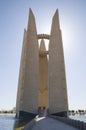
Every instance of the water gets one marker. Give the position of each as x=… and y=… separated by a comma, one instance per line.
x=79, y=117
x=7, y=121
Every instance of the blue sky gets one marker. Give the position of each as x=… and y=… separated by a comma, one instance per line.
x=13, y=20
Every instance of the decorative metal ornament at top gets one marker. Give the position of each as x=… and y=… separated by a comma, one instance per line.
x=43, y=36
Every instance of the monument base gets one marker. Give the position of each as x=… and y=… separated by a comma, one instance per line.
x=25, y=115
x=61, y=114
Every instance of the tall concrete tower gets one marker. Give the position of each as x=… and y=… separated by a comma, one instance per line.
x=57, y=78
x=42, y=80
x=27, y=99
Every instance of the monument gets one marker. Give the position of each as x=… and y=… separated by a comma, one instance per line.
x=42, y=80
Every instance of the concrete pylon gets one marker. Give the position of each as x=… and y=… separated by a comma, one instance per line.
x=30, y=79
x=43, y=76
x=55, y=24
x=32, y=68
x=57, y=81
x=21, y=75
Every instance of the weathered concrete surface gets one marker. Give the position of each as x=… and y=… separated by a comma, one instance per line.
x=27, y=99
x=57, y=79
x=21, y=75
x=43, y=76
x=45, y=123
x=42, y=80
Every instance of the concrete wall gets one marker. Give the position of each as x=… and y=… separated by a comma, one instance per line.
x=21, y=75
x=28, y=97
x=32, y=68
x=57, y=78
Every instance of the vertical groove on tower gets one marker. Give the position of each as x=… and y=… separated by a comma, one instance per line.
x=57, y=81
x=43, y=76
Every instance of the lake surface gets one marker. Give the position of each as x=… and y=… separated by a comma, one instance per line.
x=7, y=121
x=79, y=117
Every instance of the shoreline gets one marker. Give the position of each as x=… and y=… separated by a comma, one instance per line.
x=3, y=114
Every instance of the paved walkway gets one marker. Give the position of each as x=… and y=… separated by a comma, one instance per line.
x=46, y=123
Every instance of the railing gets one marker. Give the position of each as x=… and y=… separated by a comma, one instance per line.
x=75, y=123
